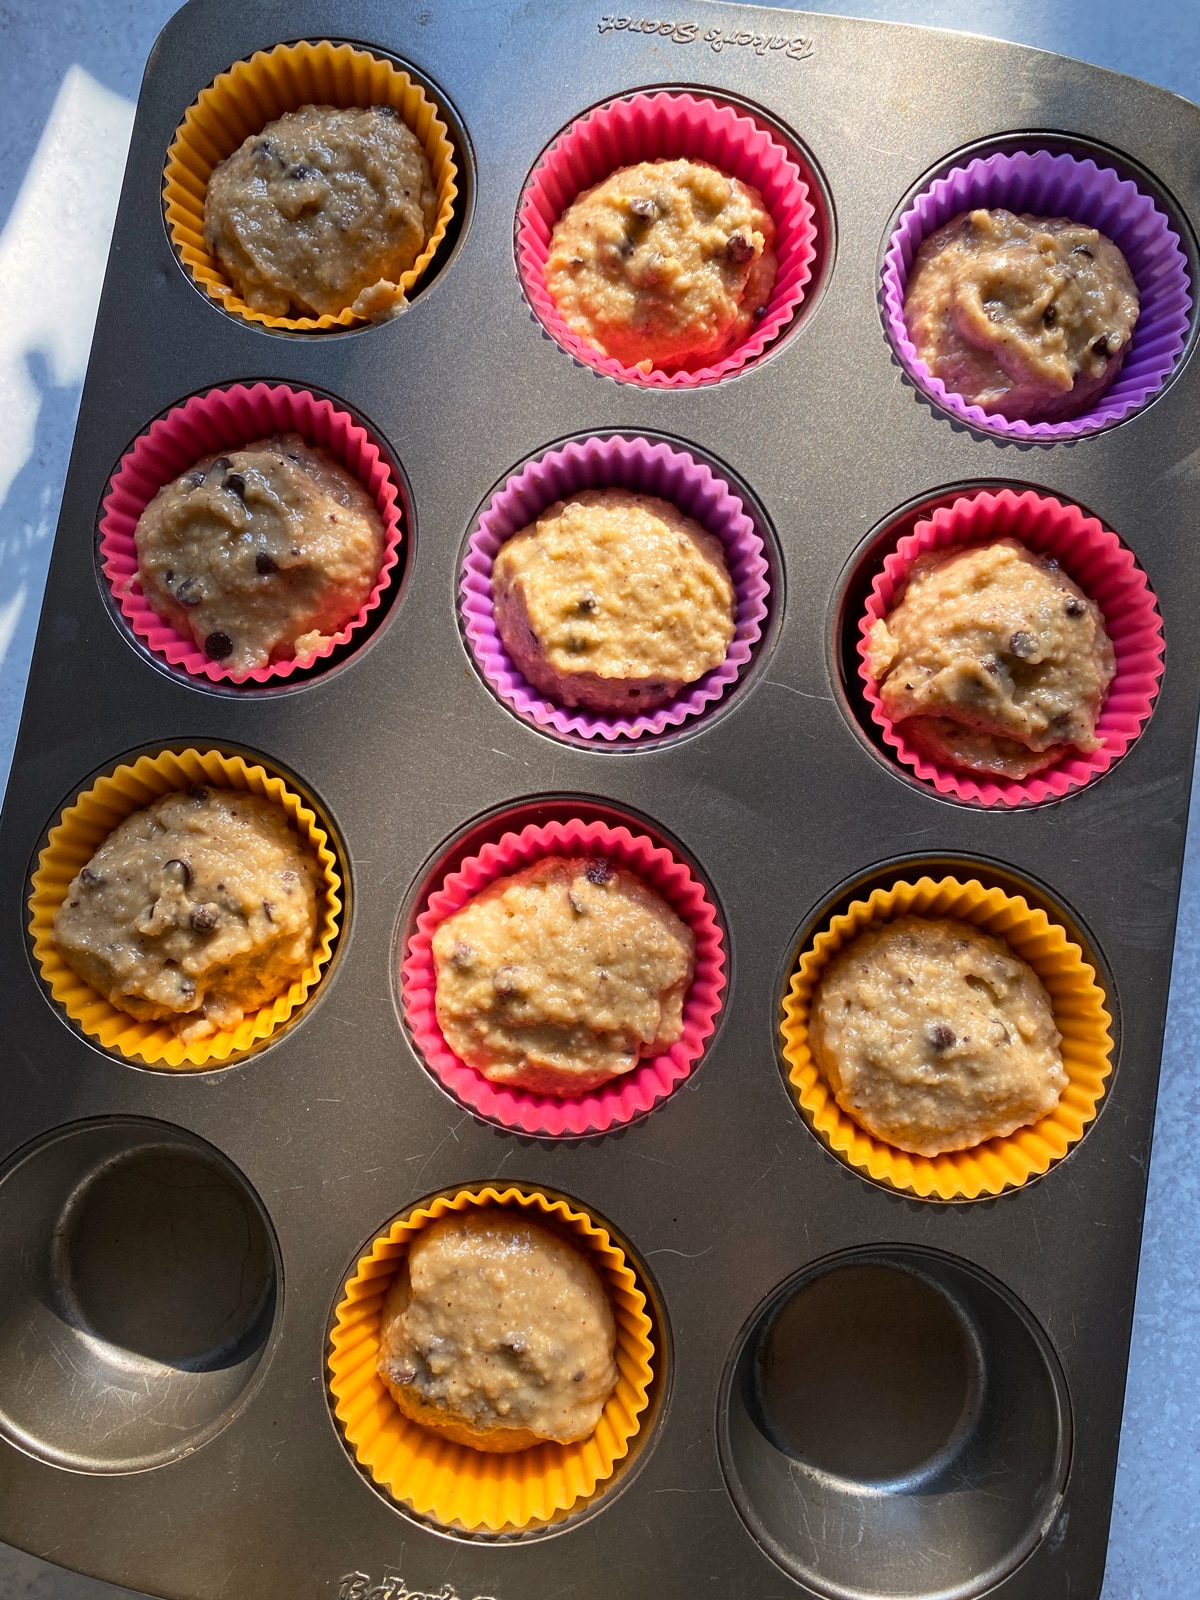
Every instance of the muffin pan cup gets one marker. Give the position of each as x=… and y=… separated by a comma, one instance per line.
x=241, y=101
x=776, y=805
x=82, y=829
x=230, y=419
x=1043, y=184
x=1079, y=1014
x=452, y=1484
x=621, y=1099
x=641, y=466
x=1106, y=572
x=654, y=127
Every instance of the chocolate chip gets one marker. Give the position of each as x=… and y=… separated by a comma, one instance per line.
x=1081, y=250
x=598, y=871
x=217, y=646
x=90, y=878
x=1100, y=348
x=940, y=1036
x=197, y=792
x=264, y=147
x=461, y=956
x=739, y=250
x=507, y=981
x=303, y=174
x=759, y=313
x=405, y=1376
x=188, y=593
x=577, y=1377
x=515, y=1343
x=575, y=645
x=1023, y=645
x=990, y=664
x=288, y=878
x=644, y=208
x=221, y=464
x=385, y=111
x=264, y=565
x=585, y=605
x=1050, y=316
x=169, y=577
x=1049, y=564
x=204, y=919
x=1074, y=606
x=236, y=484
x=185, y=872
x=268, y=909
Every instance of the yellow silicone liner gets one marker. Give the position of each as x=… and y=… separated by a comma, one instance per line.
x=449, y=1483
x=73, y=841
x=1079, y=1013
x=252, y=93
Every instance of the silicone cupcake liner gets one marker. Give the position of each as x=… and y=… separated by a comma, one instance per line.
x=451, y=1483
x=1102, y=567
x=668, y=126
x=252, y=93
x=1079, y=1013
x=635, y=1092
x=73, y=841
x=1048, y=185
x=644, y=468
x=229, y=419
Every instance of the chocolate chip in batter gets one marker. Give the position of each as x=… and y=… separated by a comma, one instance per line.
x=188, y=593
x=405, y=1376
x=90, y=878
x=1082, y=250
x=181, y=868
x=198, y=792
x=1050, y=316
x=236, y=484
x=643, y=208
x=462, y=956
x=507, y=981
x=264, y=565
x=217, y=646
x=1023, y=645
x=598, y=871
x=268, y=909
x=1100, y=348
x=739, y=250
x=204, y=919
x=1074, y=606
x=303, y=174
x=585, y=605
x=221, y=464
x=385, y=111
x=941, y=1036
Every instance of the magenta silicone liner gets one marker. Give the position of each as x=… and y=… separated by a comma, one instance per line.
x=624, y=1098
x=643, y=467
x=1042, y=184
x=1106, y=572
x=668, y=126
x=228, y=419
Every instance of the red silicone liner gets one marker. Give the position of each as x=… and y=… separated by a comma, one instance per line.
x=643, y=468
x=668, y=126
x=624, y=1098
x=227, y=419
x=1102, y=567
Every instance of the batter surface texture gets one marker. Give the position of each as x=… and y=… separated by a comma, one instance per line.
x=934, y=1036
x=194, y=911
x=260, y=554
x=324, y=209
x=613, y=600
x=663, y=264
x=499, y=1333
x=1027, y=317
x=562, y=976
x=998, y=661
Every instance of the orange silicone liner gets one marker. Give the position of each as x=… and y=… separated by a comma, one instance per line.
x=241, y=102
x=73, y=841
x=475, y=1490
x=1079, y=1013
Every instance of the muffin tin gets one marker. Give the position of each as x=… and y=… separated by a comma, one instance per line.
x=855, y=1392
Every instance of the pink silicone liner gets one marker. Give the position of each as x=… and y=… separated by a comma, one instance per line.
x=1041, y=184
x=643, y=468
x=667, y=126
x=624, y=1098
x=1102, y=567
x=227, y=419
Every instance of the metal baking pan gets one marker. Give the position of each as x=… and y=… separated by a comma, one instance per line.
x=146, y=1446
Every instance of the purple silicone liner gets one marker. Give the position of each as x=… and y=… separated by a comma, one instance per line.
x=1046, y=185
x=643, y=467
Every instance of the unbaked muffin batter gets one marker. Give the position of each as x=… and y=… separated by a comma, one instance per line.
x=934, y=1036
x=499, y=1333
x=195, y=911
x=613, y=600
x=663, y=264
x=998, y=659
x=562, y=976
x=1027, y=317
x=325, y=208
x=260, y=554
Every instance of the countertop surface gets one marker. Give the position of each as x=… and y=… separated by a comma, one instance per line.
x=68, y=85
